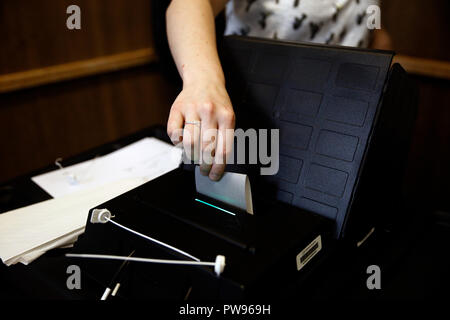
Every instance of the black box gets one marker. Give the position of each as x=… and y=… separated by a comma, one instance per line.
x=264, y=252
x=344, y=116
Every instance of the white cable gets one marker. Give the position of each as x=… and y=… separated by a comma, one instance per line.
x=153, y=240
x=218, y=265
x=105, y=294
x=116, y=288
x=136, y=259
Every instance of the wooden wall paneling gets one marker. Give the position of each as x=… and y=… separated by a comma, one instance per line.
x=419, y=31
x=428, y=170
x=60, y=120
x=425, y=67
x=34, y=33
x=77, y=69
x=418, y=28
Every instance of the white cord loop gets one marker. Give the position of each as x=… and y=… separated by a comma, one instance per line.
x=153, y=240
x=105, y=216
x=219, y=264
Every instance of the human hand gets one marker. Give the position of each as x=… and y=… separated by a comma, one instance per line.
x=202, y=118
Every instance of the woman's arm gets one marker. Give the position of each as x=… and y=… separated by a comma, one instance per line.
x=192, y=40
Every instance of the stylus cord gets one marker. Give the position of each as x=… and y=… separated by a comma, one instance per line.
x=219, y=264
x=153, y=240
x=136, y=259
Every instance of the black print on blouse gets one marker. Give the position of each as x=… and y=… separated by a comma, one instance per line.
x=262, y=21
x=360, y=43
x=275, y=36
x=296, y=3
x=342, y=34
x=299, y=21
x=360, y=17
x=314, y=29
x=249, y=4
x=357, y=1
x=245, y=31
x=330, y=38
x=336, y=14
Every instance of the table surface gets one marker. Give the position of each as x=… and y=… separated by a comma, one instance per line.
x=412, y=255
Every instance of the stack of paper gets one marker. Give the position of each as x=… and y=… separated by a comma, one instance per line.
x=27, y=233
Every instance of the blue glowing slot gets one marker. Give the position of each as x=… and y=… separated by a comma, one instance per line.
x=215, y=207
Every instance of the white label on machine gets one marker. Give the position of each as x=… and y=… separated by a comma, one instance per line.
x=309, y=252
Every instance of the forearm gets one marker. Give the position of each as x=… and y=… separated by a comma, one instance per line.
x=204, y=99
x=192, y=40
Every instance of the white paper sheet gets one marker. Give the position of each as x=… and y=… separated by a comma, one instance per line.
x=42, y=226
x=233, y=189
x=145, y=159
x=65, y=241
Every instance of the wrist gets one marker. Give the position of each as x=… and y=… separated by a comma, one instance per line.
x=202, y=76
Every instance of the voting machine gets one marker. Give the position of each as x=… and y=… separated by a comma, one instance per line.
x=344, y=116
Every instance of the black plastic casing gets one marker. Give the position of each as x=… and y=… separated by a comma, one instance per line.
x=345, y=118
